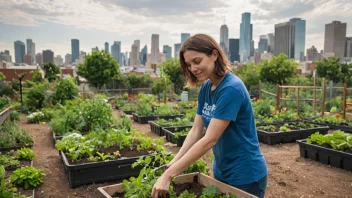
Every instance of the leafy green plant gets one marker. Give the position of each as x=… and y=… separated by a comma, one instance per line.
x=338, y=140
x=35, y=117
x=35, y=97
x=8, y=161
x=15, y=116
x=174, y=122
x=27, y=177
x=25, y=153
x=4, y=103
x=105, y=156
x=12, y=134
x=184, y=132
x=96, y=114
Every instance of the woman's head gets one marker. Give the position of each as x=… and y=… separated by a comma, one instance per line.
x=201, y=58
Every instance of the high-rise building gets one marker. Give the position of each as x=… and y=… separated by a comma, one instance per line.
x=116, y=51
x=348, y=47
x=75, y=49
x=290, y=38
x=246, y=36
x=107, y=47
x=234, y=50
x=224, y=39
x=262, y=44
x=29, y=45
x=177, y=47
x=271, y=42
x=20, y=50
x=68, y=59
x=5, y=56
x=138, y=45
x=184, y=37
x=31, y=50
x=313, y=54
x=58, y=60
x=28, y=59
x=133, y=55
x=39, y=59
x=155, y=52
x=335, y=38
x=144, y=54
x=48, y=56
x=167, y=50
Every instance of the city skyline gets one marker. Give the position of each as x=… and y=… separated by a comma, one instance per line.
x=139, y=20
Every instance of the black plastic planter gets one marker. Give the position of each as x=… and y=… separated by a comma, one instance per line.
x=324, y=155
x=80, y=174
x=146, y=119
x=346, y=129
x=155, y=128
x=170, y=135
x=4, y=115
x=15, y=148
x=56, y=138
x=128, y=112
x=272, y=138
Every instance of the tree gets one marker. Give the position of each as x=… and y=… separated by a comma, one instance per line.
x=35, y=97
x=2, y=76
x=133, y=80
x=249, y=74
x=15, y=85
x=329, y=68
x=99, y=68
x=159, y=85
x=66, y=89
x=51, y=70
x=37, y=76
x=174, y=71
x=279, y=70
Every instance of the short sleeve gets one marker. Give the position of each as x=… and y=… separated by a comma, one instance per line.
x=200, y=101
x=228, y=104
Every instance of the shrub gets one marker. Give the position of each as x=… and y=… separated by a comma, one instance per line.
x=35, y=97
x=66, y=89
x=14, y=116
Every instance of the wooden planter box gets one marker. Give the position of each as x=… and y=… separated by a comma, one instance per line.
x=170, y=135
x=146, y=119
x=80, y=174
x=272, y=138
x=109, y=191
x=5, y=114
x=326, y=156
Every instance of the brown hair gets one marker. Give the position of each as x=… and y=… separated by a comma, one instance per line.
x=204, y=44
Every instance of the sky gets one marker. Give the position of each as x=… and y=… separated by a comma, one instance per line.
x=51, y=24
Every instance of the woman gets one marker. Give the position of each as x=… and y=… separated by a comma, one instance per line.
x=225, y=110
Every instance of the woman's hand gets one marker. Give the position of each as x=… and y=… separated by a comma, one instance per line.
x=161, y=187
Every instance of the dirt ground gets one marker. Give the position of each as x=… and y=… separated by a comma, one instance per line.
x=289, y=175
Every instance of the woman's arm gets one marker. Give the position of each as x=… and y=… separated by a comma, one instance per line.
x=192, y=137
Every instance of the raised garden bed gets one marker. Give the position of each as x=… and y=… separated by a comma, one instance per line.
x=128, y=112
x=344, y=128
x=325, y=155
x=277, y=136
x=91, y=172
x=196, y=181
x=5, y=150
x=146, y=119
x=5, y=114
x=170, y=133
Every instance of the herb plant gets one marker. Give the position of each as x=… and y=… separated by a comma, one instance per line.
x=12, y=134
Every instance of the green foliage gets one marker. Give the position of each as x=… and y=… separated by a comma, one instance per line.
x=99, y=68
x=138, y=81
x=4, y=103
x=66, y=89
x=174, y=122
x=8, y=161
x=27, y=177
x=15, y=85
x=2, y=76
x=338, y=140
x=330, y=68
x=6, y=90
x=35, y=97
x=12, y=134
x=25, y=153
x=29, y=84
x=158, y=86
x=50, y=70
x=37, y=76
x=249, y=74
x=174, y=72
x=279, y=70
x=96, y=114
x=183, y=132
x=36, y=118
x=15, y=116
x=337, y=120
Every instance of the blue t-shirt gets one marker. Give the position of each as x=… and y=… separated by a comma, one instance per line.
x=238, y=158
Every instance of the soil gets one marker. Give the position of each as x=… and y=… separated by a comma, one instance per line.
x=289, y=175
x=193, y=187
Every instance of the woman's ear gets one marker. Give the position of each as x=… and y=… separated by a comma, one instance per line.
x=214, y=55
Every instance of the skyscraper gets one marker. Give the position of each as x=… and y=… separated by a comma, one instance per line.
x=107, y=47
x=5, y=56
x=224, y=39
x=20, y=50
x=133, y=55
x=116, y=51
x=74, y=49
x=48, y=56
x=177, y=47
x=39, y=59
x=138, y=45
x=271, y=42
x=290, y=38
x=167, y=50
x=234, y=49
x=28, y=59
x=31, y=49
x=68, y=59
x=144, y=54
x=262, y=44
x=348, y=47
x=184, y=37
x=246, y=29
x=335, y=37
x=155, y=52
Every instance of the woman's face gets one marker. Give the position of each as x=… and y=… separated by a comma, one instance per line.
x=200, y=64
